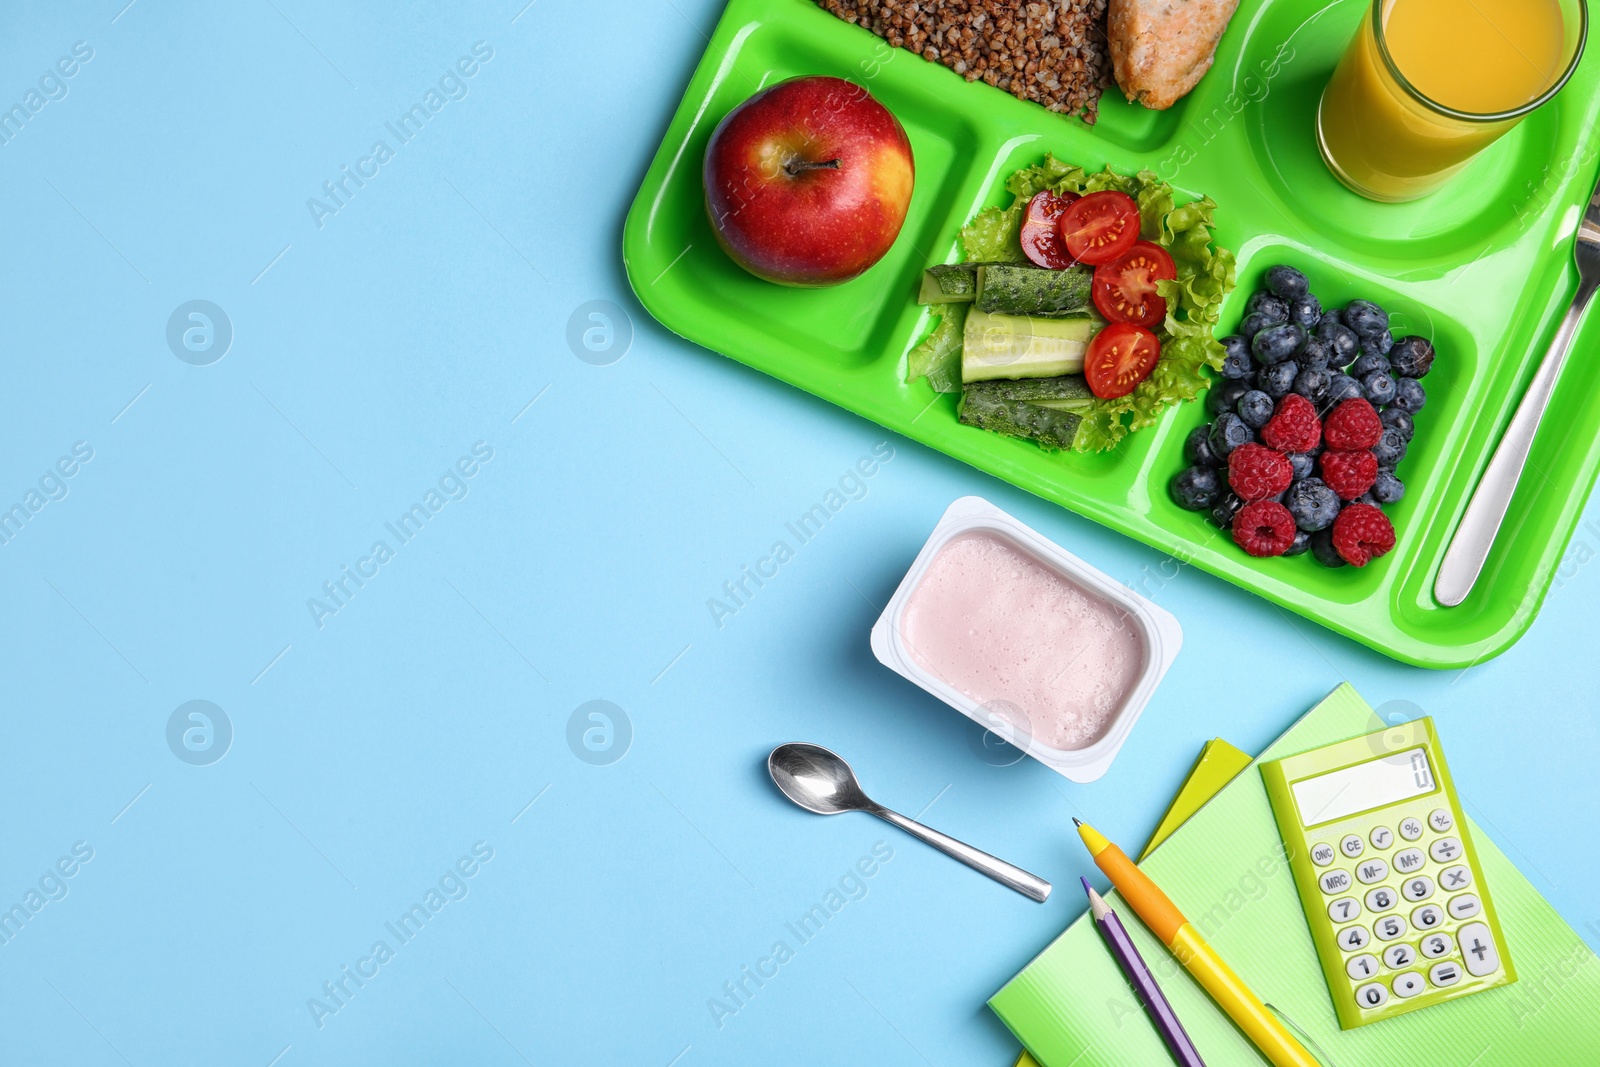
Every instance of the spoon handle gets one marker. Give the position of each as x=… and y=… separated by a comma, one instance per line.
x=1029, y=885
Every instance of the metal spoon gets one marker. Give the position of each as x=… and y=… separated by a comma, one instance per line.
x=820, y=781
x=1469, y=548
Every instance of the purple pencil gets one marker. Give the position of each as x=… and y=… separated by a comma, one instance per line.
x=1143, y=982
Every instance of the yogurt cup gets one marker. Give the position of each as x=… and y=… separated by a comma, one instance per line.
x=1148, y=631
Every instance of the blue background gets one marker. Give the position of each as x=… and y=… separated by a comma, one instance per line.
x=431, y=712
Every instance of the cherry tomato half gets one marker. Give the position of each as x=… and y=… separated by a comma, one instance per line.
x=1041, y=241
x=1120, y=357
x=1125, y=291
x=1100, y=227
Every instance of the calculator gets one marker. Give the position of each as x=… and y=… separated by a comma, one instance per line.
x=1387, y=873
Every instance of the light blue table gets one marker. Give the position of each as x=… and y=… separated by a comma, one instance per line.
x=610, y=906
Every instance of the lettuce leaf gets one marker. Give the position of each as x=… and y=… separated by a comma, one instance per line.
x=938, y=357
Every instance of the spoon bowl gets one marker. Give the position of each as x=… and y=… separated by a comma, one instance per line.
x=816, y=779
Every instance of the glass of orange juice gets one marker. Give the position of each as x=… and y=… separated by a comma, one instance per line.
x=1427, y=84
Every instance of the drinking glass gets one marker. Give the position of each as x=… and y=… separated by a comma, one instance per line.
x=1388, y=141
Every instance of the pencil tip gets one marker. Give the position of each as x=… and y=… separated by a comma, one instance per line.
x=1086, y=887
x=1077, y=821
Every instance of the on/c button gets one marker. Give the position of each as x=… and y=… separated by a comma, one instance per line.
x=1477, y=948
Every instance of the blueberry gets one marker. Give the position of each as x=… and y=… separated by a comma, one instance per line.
x=1277, y=343
x=1302, y=463
x=1313, y=505
x=1226, y=509
x=1314, y=353
x=1197, y=448
x=1378, y=387
x=1287, y=282
x=1341, y=387
x=1228, y=433
x=1255, y=408
x=1380, y=341
x=1264, y=303
x=1343, y=344
x=1197, y=488
x=1390, y=449
x=1224, y=396
x=1312, y=383
x=1330, y=319
x=1388, y=489
x=1278, y=380
x=1412, y=356
x=1298, y=547
x=1237, y=365
x=1305, y=311
x=1409, y=395
x=1253, y=324
x=1365, y=317
x=1368, y=363
x=1398, y=418
x=1322, y=548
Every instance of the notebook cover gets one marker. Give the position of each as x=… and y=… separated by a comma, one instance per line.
x=1072, y=1008
x=1219, y=764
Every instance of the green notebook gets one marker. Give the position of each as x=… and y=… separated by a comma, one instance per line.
x=1071, y=1006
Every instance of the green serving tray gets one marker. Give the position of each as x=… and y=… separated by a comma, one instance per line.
x=1484, y=268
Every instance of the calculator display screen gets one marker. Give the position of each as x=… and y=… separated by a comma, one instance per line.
x=1366, y=785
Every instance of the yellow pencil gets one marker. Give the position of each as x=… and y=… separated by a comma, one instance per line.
x=1165, y=921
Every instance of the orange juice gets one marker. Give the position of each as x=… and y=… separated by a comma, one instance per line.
x=1427, y=84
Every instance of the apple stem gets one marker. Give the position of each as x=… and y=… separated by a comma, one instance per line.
x=798, y=167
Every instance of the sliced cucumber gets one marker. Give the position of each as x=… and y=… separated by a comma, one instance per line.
x=1019, y=346
x=1067, y=390
x=949, y=283
x=1052, y=428
x=1012, y=290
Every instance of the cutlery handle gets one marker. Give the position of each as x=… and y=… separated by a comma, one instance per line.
x=1468, y=550
x=1029, y=885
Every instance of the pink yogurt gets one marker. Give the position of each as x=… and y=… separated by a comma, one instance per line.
x=994, y=623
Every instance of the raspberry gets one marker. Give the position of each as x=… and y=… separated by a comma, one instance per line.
x=1256, y=473
x=1352, y=426
x=1349, y=473
x=1295, y=427
x=1267, y=529
x=1361, y=534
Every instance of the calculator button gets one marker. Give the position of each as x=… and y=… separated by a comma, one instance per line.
x=1409, y=860
x=1353, y=937
x=1372, y=995
x=1408, y=984
x=1362, y=966
x=1344, y=909
x=1381, y=899
x=1477, y=945
x=1428, y=917
x=1410, y=829
x=1454, y=878
x=1351, y=846
x=1441, y=820
x=1389, y=927
x=1443, y=974
x=1381, y=837
x=1335, y=881
x=1398, y=956
x=1466, y=906
x=1418, y=888
x=1322, y=854
x=1372, y=871
x=1445, y=850
x=1436, y=945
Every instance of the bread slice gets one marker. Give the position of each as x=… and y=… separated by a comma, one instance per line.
x=1161, y=48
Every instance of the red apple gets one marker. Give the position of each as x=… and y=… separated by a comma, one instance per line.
x=808, y=181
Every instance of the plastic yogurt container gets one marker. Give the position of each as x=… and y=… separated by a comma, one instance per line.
x=1026, y=639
